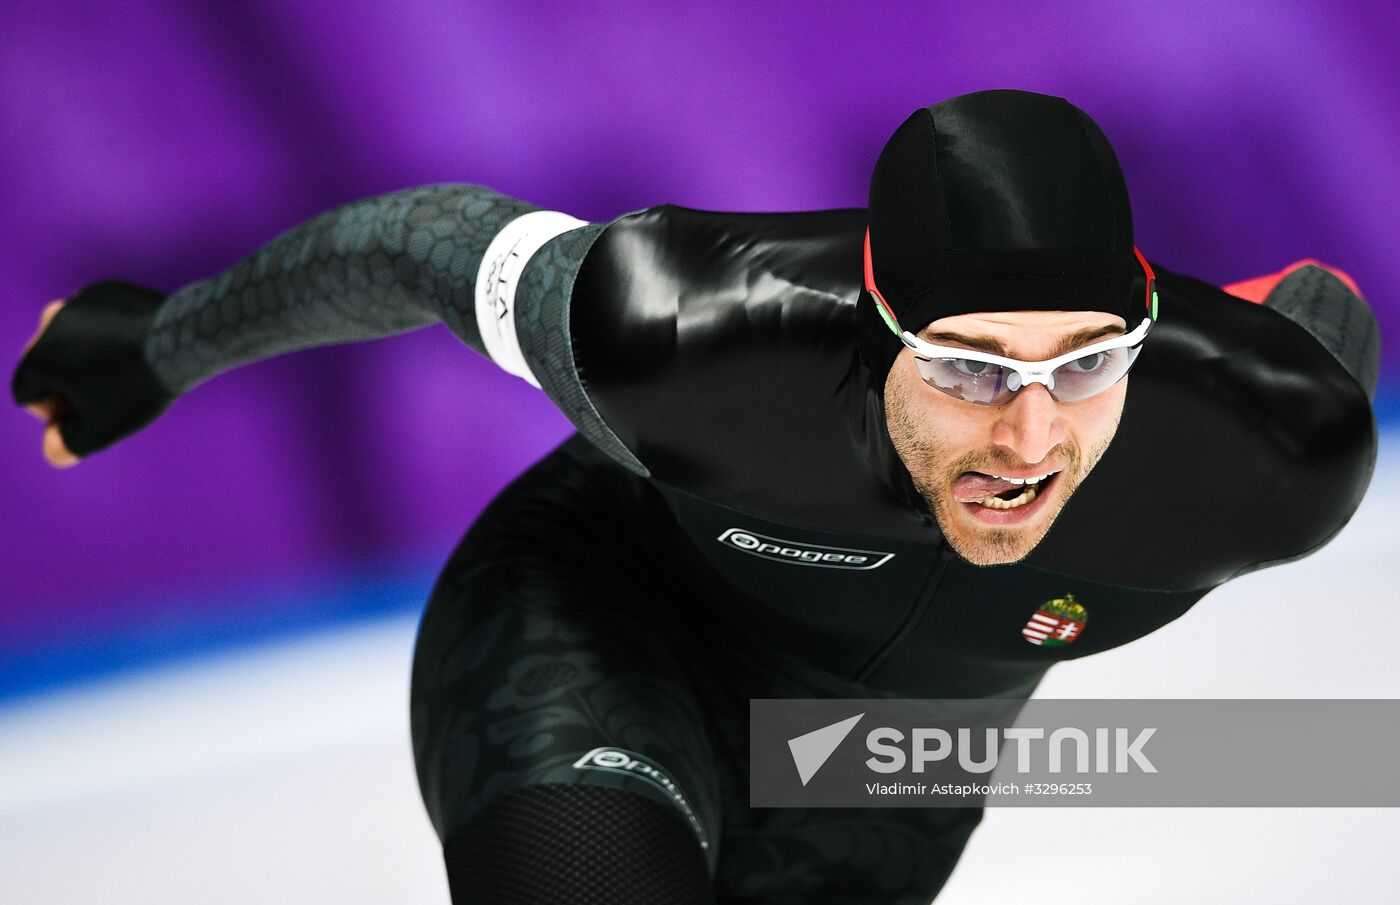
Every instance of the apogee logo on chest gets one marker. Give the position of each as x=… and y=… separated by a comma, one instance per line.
x=801, y=554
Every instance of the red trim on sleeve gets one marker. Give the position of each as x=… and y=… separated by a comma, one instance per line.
x=1257, y=289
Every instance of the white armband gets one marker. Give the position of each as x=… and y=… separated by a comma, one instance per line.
x=499, y=276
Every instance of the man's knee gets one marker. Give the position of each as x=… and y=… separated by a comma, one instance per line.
x=583, y=844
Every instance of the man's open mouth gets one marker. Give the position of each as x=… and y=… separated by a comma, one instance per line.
x=992, y=491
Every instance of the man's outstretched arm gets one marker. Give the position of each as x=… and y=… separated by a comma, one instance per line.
x=497, y=271
x=371, y=268
x=1326, y=302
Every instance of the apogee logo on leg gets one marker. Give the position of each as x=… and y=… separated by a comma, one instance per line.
x=630, y=763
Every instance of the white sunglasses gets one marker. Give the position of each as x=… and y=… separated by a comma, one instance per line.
x=987, y=379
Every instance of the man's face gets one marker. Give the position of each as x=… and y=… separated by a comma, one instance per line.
x=958, y=451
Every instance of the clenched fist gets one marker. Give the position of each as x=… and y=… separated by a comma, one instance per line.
x=84, y=373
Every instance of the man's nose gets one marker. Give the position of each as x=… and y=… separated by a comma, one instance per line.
x=1030, y=424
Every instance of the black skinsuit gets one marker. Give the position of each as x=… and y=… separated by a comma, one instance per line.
x=619, y=593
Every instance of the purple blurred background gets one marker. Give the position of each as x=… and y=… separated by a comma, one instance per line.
x=162, y=141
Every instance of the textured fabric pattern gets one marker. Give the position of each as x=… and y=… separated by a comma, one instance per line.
x=585, y=845
x=373, y=268
x=543, y=330
x=1322, y=304
x=568, y=619
x=367, y=269
x=538, y=646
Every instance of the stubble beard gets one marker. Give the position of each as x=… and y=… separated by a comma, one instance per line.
x=982, y=545
x=992, y=545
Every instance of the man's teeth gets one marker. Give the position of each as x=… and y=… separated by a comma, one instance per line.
x=1026, y=496
x=994, y=502
x=1035, y=480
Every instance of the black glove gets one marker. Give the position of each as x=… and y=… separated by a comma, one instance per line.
x=92, y=356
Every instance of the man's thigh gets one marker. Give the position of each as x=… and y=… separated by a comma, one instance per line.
x=537, y=663
x=546, y=657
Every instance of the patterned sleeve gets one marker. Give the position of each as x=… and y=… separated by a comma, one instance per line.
x=1329, y=308
x=463, y=255
x=371, y=268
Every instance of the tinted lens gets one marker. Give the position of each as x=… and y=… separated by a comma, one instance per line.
x=962, y=378
x=1092, y=374
x=986, y=384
